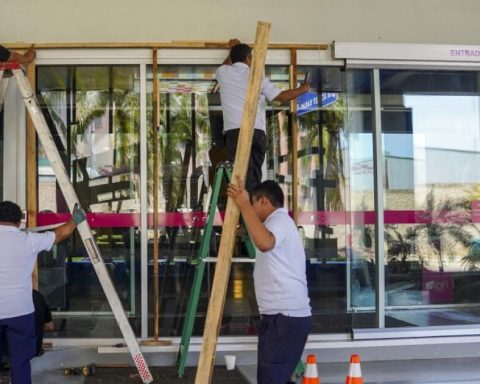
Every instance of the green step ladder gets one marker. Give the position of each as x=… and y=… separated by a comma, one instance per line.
x=223, y=173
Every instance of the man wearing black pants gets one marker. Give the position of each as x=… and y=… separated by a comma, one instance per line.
x=232, y=77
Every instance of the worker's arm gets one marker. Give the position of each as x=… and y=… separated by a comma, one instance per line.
x=260, y=235
x=65, y=230
x=231, y=44
x=27, y=57
x=291, y=94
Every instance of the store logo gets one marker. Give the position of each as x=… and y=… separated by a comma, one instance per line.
x=437, y=285
x=465, y=52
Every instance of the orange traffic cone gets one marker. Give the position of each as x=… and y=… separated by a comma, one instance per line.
x=311, y=371
x=355, y=372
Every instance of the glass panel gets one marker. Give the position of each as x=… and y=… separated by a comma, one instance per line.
x=360, y=243
x=430, y=123
x=93, y=115
x=190, y=146
x=334, y=133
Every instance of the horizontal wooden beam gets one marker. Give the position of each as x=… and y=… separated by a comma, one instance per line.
x=194, y=44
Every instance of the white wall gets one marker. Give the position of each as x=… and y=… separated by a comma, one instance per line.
x=309, y=21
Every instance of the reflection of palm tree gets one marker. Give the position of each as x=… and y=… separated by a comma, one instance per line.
x=472, y=260
x=399, y=245
x=333, y=122
x=90, y=106
x=444, y=222
x=177, y=144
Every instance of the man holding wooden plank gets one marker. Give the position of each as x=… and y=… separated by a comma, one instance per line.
x=232, y=77
x=279, y=278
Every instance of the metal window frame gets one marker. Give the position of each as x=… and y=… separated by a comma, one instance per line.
x=375, y=57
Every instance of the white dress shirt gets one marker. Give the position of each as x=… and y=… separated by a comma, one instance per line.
x=233, y=81
x=18, y=251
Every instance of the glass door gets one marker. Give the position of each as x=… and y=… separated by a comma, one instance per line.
x=431, y=129
x=93, y=115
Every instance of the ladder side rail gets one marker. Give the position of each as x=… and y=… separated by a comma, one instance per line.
x=199, y=273
x=83, y=228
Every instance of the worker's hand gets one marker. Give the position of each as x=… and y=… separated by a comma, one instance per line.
x=238, y=193
x=30, y=55
x=305, y=87
x=233, y=42
x=78, y=214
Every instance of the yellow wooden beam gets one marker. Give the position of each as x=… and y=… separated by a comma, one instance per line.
x=294, y=133
x=32, y=190
x=156, y=44
x=227, y=242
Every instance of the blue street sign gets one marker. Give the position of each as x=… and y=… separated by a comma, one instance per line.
x=309, y=101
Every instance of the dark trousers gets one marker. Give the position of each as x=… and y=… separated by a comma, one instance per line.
x=257, y=155
x=20, y=335
x=281, y=341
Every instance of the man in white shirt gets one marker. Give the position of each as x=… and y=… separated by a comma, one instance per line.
x=232, y=77
x=18, y=252
x=279, y=278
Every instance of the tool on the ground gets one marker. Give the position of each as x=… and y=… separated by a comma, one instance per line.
x=87, y=370
x=223, y=173
x=71, y=198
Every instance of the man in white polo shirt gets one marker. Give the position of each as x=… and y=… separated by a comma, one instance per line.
x=279, y=278
x=232, y=77
x=18, y=252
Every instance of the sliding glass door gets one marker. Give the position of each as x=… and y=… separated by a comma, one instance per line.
x=93, y=115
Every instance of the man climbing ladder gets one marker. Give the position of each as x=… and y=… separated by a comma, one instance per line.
x=72, y=199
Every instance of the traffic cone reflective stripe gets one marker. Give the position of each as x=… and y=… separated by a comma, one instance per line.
x=355, y=372
x=311, y=371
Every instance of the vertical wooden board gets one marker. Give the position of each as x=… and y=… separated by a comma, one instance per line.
x=32, y=190
x=156, y=305
x=294, y=133
x=222, y=271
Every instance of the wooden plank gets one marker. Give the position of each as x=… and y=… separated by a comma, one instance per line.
x=153, y=44
x=294, y=133
x=227, y=242
x=32, y=190
x=156, y=305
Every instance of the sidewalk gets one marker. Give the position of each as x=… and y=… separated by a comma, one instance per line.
x=439, y=371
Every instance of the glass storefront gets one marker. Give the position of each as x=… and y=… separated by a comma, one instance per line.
x=93, y=114
x=430, y=134
x=430, y=124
